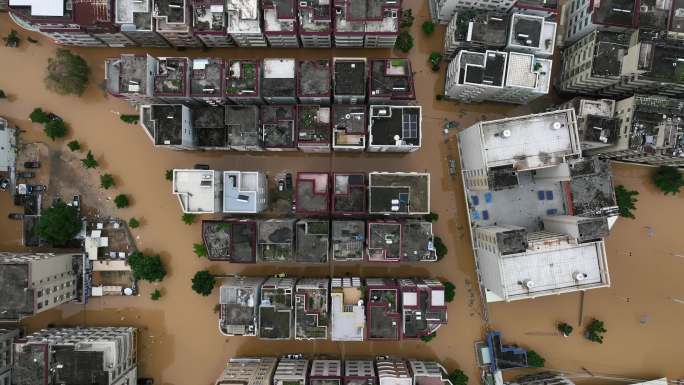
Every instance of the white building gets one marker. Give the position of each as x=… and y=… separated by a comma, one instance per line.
x=429, y=373
x=8, y=146
x=325, y=372
x=315, y=23
x=280, y=23
x=359, y=372
x=442, y=11
x=174, y=22
x=244, y=192
x=33, y=283
x=531, y=34
x=198, y=191
x=347, y=310
x=134, y=18
x=291, y=372
x=244, y=23
x=248, y=371
x=238, y=300
x=393, y=372
x=394, y=128
x=597, y=123
x=535, y=161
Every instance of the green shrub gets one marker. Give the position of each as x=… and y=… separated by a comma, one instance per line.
x=168, y=174
x=106, y=181
x=428, y=337
x=440, y=248
x=432, y=217
x=428, y=27
x=203, y=282
x=407, y=19
x=534, y=360
x=449, y=291
x=625, y=201
x=200, y=249
x=74, y=145
x=12, y=40
x=595, y=331
x=133, y=223
x=39, y=116
x=121, y=201
x=457, y=377
x=156, y=294
x=435, y=59
x=404, y=41
x=55, y=129
x=130, y=119
x=147, y=267
x=668, y=179
x=68, y=73
x=89, y=161
x=439, y=97
x=188, y=218
x=564, y=329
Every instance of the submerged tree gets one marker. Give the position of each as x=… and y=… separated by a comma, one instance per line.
x=203, y=282
x=89, y=161
x=428, y=27
x=59, y=224
x=457, y=377
x=107, y=181
x=68, y=73
x=147, y=267
x=595, y=331
x=12, y=40
x=449, y=291
x=200, y=249
x=534, y=360
x=625, y=201
x=121, y=201
x=55, y=129
x=668, y=179
x=564, y=329
x=404, y=42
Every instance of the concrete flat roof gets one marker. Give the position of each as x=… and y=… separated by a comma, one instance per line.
x=240, y=191
x=196, y=190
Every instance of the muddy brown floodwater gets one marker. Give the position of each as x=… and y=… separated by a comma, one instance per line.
x=180, y=343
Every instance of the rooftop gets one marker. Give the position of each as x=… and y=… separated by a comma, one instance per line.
x=410, y=241
x=238, y=297
x=233, y=241
x=197, y=190
x=591, y=187
x=314, y=16
x=165, y=122
x=127, y=74
x=278, y=126
x=347, y=240
x=275, y=309
x=657, y=124
x=359, y=372
x=395, y=125
x=392, y=78
x=677, y=16
x=653, y=14
x=486, y=69
x=350, y=76
x=313, y=78
x=17, y=295
x=527, y=71
x=73, y=365
x=242, y=123
x=206, y=77
x=279, y=15
x=348, y=320
x=312, y=240
x=532, y=32
x=209, y=127
x=313, y=124
x=349, y=125
x=171, y=77
x=349, y=194
x=30, y=364
x=276, y=240
x=311, y=308
x=242, y=78
x=243, y=16
x=615, y=12
x=350, y=16
x=134, y=12
x=610, y=48
x=172, y=10
x=383, y=309
x=551, y=5
x=399, y=193
x=662, y=62
x=278, y=78
x=208, y=16
x=241, y=190
x=488, y=29
x=384, y=241
x=423, y=307
x=312, y=192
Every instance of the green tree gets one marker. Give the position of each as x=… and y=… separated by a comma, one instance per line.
x=133, y=223
x=156, y=294
x=147, y=267
x=435, y=59
x=404, y=42
x=203, y=282
x=457, y=377
x=68, y=73
x=407, y=19
x=449, y=291
x=55, y=129
x=59, y=224
x=39, y=116
x=2, y=94
x=188, y=218
x=595, y=331
x=130, y=119
x=428, y=27
x=74, y=145
x=428, y=337
x=168, y=174
x=668, y=179
x=12, y=40
x=534, y=360
x=625, y=201
x=432, y=217
x=564, y=329
x=121, y=201
x=200, y=249
x=89, y=161
x=440, y=248
x=107, y=181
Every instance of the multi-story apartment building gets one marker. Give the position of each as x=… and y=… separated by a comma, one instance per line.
x=390, y=80
x=244, y=23
x=423, y=307
x=33, y=283
x=243, y=128
x=347, y=311
x=347, y=236
x=130, y=77
x=291, y=372
x=280, y=23
x=531, y=34
x=597, y=124
x=135, y=20
x=312, y=193
x=168, y=125
x=103, y=355
x=315, y=23
x=243, y=84
x=276, y=240
x=350, y=80
x=275, y=312
x=399, y=193
x=171, y=79
x=244, y=192
x=394, y=128
x=676, y=22
x=518, y=255
x=359, y=372
x=581, y=17
x=442, y=11
x=210, y=23
x=7, y=337
x=349, y=127
x=278, y=127
x=393, y=371
x=206, y=80
x=8, y=147
x=311, y=309
x=314, y=82
x=429, y=372
x=313, y=128
x=383, y=317
x=545, y=8
x=472, y=30
x=230, y=240
x=238, y=300
x=313, y=240
x=358, y=23
x=325, y=372
x=400, y=241
x=174, y=22
x=348, y=194
x=248, y=371
x=279, y=81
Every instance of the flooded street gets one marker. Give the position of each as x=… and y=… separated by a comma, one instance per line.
x=181, y=344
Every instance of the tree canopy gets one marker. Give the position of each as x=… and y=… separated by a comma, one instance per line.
x=147, y=267
x=67, y=73
x=625, y=201
x=55, y=129
x=668, y=179
x=59, y=224
x=449, y=291
x=203, y=282
x=535, y=360
x=457, y=377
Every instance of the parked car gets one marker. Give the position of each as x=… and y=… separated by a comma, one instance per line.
x=32, y=164
x=15, y=216
x=200, y=166
x=288, y=181
x=39, y=188
x=26, y=174
x=4, y=184
x=76, y=202
x=297, y=356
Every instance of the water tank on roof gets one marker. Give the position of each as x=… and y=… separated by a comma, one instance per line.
x=528, y=284
x=506, y=133
x=579, y=277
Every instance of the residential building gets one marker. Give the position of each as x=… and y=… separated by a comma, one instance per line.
x=208, y=127
x=170, y=125
x=280, y=23
x=7, y=337
x=551, y=240
x=349, y=194
x=135, y=20
x=544, y=378
x=171, y=79
x=244, y=192
x=314, y=82
x=313, y=240
x=348, y=317
x=244, y=23
x=8, y=147
x=501, y=356
x=395, y=128
x=347, y=240
x=545, y=8
x=349, y=80
x=248, y=371
x=210, y=23
x=580, y=18
x=315, y=23
x=275, y=310
x=243, y=81
x=399, y=193
x=391, y=80
x=597, y=123
x=349, y=127
x=393, y=241
x=198, y=191
x=646, y=130
x=676, y=22
x=291, y=372
x=278, y=81
x=384, y=310
x=366, y=24
x=531, y=34
x=130, y=77
x=206, y=80
x=359, y=372
x=471, y=30
x=312, y=193
x=174, y=22
x=442, y=11
x=234, y=241
x=528, y=77
x=103, y=355
x=423, y=307
x=326, y=372
x=36, y=282
x=276, y=240
x=393, y=371
x=238, y=300
x=313, y=128
x=243, y=129
x=311, y=309
x=278, y=127
x=429, y=373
